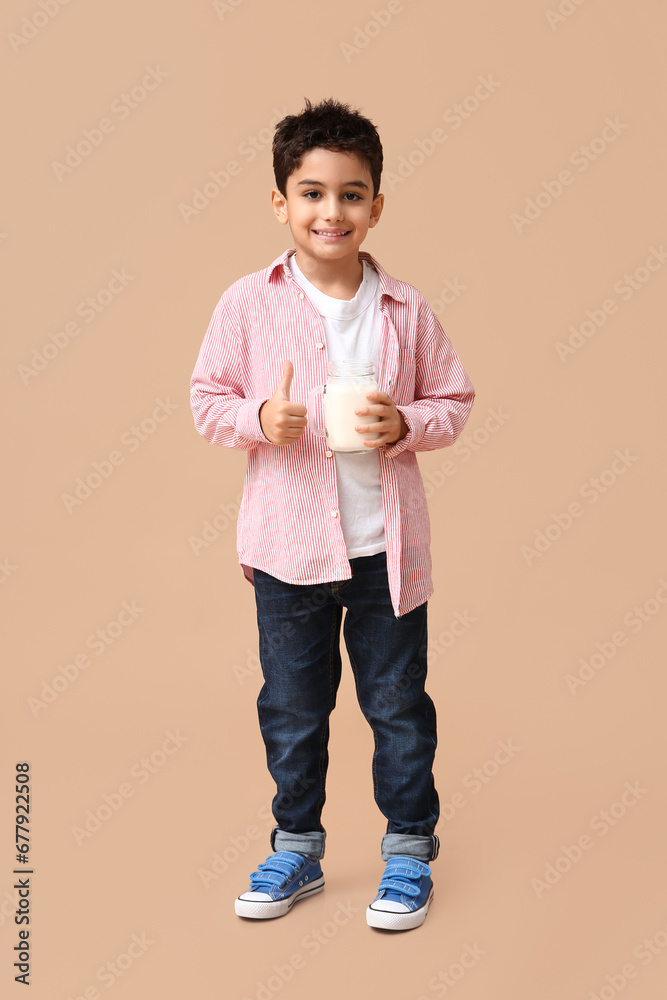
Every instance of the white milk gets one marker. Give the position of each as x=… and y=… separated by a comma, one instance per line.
x=340, y=401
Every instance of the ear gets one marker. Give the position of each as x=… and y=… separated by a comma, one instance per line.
x=279, y=206
x=376, y=210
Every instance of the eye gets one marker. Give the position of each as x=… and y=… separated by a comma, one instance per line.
x=351, y=194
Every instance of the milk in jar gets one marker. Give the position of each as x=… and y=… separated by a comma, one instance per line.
x=346, y=388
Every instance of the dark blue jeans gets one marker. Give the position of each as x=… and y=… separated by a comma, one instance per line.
x=299, y=647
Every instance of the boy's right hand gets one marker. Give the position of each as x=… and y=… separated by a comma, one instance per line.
x=283, y=421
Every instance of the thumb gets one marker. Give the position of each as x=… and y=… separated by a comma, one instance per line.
x=286, y=380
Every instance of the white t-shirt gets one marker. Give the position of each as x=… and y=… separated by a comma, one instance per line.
x=352, y=330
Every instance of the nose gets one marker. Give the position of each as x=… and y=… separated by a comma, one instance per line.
x=333, y=211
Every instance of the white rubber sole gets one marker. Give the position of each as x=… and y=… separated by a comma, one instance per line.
x=391, y=921
x=266, y=910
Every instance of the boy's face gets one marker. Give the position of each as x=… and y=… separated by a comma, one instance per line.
x=329, y=191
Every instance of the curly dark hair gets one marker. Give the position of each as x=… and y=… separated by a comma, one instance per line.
x=328, y=125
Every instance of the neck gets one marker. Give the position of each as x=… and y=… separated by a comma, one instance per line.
x=339, y=278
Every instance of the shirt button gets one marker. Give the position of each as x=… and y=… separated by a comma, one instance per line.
x=319, y=345
x=301, y=295
x=334, y=513
x=329, y=454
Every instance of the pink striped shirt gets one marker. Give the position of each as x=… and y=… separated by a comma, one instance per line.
x=288, y=523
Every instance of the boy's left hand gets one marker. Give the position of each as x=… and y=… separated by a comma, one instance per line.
x=391, y=426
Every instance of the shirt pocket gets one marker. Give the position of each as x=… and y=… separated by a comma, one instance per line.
x=404, y=387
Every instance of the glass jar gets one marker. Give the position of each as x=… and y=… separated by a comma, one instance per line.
x=345, y=390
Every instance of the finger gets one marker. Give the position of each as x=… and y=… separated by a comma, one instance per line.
x=286, y=380
x=289, y=421
x=384, y=425
x=387, y=433
x=293, y=414
x=380, y=409
x=293, y=433
x=371, y=429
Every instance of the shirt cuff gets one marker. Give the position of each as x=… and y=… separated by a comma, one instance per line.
x=416, y=431
x=247, y=420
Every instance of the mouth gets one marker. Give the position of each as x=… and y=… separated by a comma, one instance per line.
x=331, y=235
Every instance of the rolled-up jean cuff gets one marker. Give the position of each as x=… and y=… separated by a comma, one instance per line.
x=422, y=848
x=309, y=843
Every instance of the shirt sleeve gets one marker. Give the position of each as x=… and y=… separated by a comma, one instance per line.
x=222, y=413
x=443, y=392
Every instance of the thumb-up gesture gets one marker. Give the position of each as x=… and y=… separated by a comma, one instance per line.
x=283, y=421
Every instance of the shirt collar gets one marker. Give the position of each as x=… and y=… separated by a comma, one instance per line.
x=388, y=285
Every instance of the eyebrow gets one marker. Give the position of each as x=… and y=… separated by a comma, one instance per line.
x=359, y=184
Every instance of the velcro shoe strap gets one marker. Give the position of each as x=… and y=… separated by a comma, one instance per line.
x=267, y=878
x=410, y=868
x=274, y=871
x=281, y=865
x=399, y=885
x=290, y=856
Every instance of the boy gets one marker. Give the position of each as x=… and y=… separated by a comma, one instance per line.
x=320, y=531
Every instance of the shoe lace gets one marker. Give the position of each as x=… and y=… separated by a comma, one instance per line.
x=404, y=874
x=278, y=869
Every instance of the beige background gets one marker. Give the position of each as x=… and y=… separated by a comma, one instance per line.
x=185, y=663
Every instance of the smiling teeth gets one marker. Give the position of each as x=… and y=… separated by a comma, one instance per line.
x=338, y=232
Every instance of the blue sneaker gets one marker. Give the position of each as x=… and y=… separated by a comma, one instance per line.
x=404, y=896
x=277, y=884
